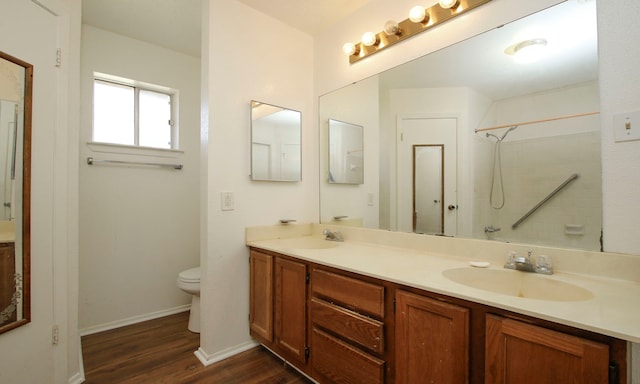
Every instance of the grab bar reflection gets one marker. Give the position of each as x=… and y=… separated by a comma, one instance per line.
x=92, y=161
x=541, y=203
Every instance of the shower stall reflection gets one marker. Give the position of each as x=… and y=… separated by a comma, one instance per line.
x=549, y=152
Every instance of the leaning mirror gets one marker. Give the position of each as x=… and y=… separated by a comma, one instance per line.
x=346, y=164
x=538, y=183
x=15, y=186
x=275, y=143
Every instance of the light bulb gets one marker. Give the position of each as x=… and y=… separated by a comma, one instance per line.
x=417, y=14
x=391, y=28
x=369, y=39
x=448, y=3
x=349, y=49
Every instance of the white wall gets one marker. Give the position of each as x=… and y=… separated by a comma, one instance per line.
x=139, y=226
x=28, y=354
x=269, y=62
x=619, y=59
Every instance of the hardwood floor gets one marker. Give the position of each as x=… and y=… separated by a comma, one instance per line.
x=161, y=351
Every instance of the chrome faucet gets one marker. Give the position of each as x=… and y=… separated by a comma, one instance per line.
x=541, y=264
x=332, y=235
x=491, y=229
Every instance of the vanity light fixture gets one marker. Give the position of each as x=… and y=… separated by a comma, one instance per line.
x=528, y=51
x=420, y=19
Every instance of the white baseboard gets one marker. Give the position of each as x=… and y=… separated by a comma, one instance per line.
x=78, y=378
x=207, y=359
x=133, y=320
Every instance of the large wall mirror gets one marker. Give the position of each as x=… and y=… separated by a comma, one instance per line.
x=15, y=186
x=275, y=143
x=521, y=138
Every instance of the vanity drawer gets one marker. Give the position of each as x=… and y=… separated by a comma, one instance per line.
x=362, y=330
x=351, y=293
x=340, y=362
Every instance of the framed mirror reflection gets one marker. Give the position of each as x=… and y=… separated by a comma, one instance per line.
x=15, y=186
x=346, y=153
x=275, y=143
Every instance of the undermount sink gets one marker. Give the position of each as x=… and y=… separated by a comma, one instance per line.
x=518, y=284
x=306, y=243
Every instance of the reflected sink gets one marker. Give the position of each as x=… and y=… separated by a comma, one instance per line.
x=306, y=243
x=518, y=284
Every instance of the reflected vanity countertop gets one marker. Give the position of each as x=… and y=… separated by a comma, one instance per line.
x=7, y=232
x=419, y=261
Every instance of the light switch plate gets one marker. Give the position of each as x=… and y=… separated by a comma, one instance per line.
x=226, y=201
x=626, y=126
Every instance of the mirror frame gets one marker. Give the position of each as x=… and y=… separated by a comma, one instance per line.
x=26, y=194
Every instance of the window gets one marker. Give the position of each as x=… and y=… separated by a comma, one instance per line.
x=130, y=114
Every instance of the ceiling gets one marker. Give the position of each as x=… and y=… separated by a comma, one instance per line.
x=480, y=62
x=310, y=16
x=176, y=24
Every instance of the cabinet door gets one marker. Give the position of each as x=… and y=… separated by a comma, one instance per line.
x=522, y=353
x=7, y=281
x=432, y=341
x=290, y=308
x=261, y=295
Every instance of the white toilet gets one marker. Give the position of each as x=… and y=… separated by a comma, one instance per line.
x=189, y=281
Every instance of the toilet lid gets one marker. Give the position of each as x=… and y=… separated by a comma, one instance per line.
x=190, y=275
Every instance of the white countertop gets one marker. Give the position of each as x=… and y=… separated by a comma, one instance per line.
x=7, y=232
x=614, y=309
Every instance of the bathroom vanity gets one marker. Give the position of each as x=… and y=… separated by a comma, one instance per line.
x=366, y=312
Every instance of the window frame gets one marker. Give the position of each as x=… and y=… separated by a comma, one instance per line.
x=137, y=87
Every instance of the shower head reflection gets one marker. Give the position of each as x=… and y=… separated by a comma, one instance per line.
x=503, y=135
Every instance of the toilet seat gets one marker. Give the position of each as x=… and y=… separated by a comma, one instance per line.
x=190, y=275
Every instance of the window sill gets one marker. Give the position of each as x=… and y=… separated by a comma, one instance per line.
x=134, y=150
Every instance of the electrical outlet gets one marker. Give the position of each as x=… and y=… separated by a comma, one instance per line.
x=226, y=201
x=626, y=126
x=55, y=335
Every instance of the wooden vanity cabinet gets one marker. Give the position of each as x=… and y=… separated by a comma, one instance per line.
x=432, y=340
x=278, y=305
x=347, y=329
x=7, y=279
x=517, y=352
